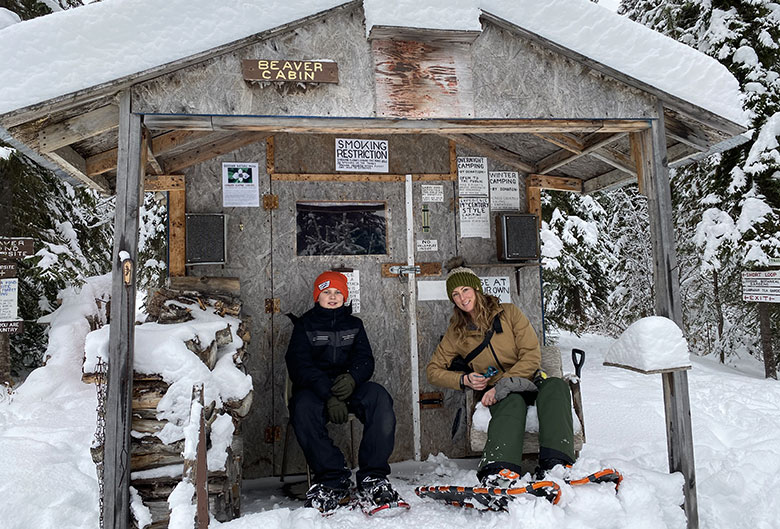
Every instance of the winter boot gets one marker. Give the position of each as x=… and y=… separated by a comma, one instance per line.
x=503, y=479
x=545, y=465
x=326, y=499
x=378, y=491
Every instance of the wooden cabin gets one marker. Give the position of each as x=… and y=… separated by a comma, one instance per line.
x=370, y=143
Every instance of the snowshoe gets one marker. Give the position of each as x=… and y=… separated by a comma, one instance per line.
x=486, y=498
x=327, y=499
x=378, y=495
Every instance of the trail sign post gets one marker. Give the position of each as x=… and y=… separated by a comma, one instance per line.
x=763, y=287
x=11, y=248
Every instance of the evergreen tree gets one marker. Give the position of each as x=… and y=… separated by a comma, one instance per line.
x=575, y=259
x=72, y=231
x=728, y=215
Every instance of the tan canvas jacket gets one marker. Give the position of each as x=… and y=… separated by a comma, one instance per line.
x=517, y=349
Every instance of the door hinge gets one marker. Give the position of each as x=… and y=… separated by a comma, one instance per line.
x=273, y=434
x=273, y=305
x=270, y=201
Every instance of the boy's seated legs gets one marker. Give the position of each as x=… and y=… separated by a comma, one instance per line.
x=325, y=459
x=373, y=406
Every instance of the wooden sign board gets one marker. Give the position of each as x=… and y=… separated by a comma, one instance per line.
x=7, y=269
x=289, y=71
x=16, y=247
x=763, y=286
x=11, y=327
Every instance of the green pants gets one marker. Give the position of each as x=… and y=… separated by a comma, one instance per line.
x=507, y=426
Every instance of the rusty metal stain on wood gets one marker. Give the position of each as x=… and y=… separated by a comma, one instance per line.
x=419, y=79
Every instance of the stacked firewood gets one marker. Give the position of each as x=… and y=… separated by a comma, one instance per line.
x=156, y=467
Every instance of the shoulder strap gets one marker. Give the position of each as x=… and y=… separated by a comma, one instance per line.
x=495, y=327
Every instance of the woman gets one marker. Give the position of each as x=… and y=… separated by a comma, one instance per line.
x=496, y=337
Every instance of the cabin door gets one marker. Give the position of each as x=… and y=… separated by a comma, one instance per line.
x=354, y=227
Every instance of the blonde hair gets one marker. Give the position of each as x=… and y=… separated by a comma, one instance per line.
x=478, y=319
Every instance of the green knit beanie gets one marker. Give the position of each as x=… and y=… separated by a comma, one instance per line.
x=462, y=277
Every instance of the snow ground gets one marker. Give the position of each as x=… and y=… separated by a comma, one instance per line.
x=47, y=479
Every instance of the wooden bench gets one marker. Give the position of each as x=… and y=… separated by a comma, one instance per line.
x=551, y=364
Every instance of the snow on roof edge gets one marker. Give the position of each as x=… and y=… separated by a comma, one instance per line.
x=558, y=21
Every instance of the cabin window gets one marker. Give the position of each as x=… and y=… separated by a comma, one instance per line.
x=341, y=228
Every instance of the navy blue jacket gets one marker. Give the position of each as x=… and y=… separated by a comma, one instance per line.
x=326, y=343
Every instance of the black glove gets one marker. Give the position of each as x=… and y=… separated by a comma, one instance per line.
x=343, y=386
x=337, y=411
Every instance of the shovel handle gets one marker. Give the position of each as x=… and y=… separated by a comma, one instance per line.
x=578, y=359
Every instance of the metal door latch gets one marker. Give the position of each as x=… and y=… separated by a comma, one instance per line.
x=405, y=270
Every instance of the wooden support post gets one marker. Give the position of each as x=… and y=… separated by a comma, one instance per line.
x=533, y=197
x=176, y=234
x=770, y=365
x=655, y=179
x=129, y=193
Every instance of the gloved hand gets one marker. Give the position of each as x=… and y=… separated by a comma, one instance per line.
x=343, y=386
x=337, y=411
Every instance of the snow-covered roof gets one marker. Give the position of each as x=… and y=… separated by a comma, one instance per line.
x=80, y=48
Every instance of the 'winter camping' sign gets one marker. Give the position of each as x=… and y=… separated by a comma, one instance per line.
x=370, y=156
x=763, y=287
x=504, y=191
x=353, y=285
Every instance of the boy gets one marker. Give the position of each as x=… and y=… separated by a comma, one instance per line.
x=330, y=364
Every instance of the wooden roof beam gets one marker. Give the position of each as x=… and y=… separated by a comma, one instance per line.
x=211, y=150
x=327, y=125
x=171, y=182
x=73, y=163
x=491, y=150
x=560, y=158
x=106, y=161
x=565, y=141
x=616, y=159
x=78, y=128
x=608, y=181
x=683, y=133
x=554, y=183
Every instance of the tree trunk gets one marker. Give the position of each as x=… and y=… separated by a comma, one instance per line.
x=719, y=309
x=6, y=229
x=770, y=366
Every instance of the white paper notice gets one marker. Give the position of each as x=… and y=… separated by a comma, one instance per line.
x=427, y=245
x=474, y=217
x=432, y=193
x=472, y=176
x=353, y=285
x=497, y=286
x=431, y=290
x=240, y=185
x=9, y=298
x=504, y=191
x=371, y=156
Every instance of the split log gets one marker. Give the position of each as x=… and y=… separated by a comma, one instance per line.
x=240, y=408
x=151, y=452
